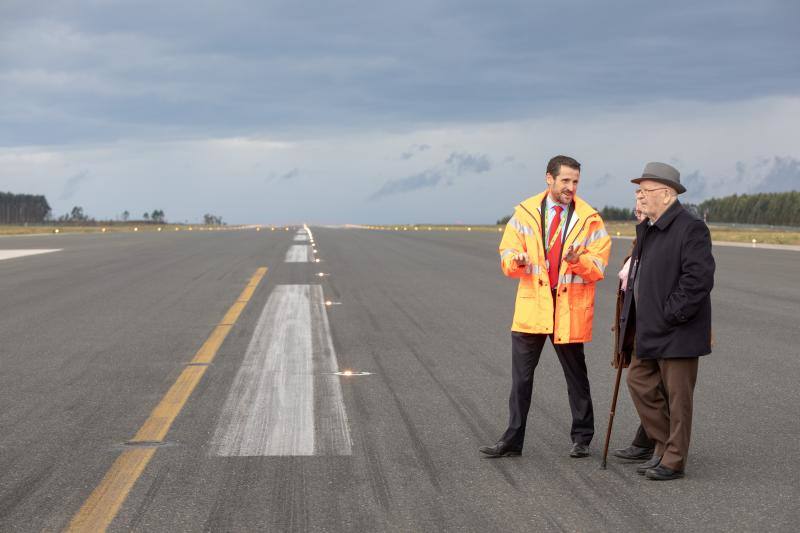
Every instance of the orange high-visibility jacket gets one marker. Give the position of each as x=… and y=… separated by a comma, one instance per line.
x=574, y=307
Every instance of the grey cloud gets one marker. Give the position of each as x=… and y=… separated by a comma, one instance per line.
x=696, y=185
x=72, y=185
x=784, y=175
x=603, y=180
x=269, y=67
x=424, y=180
x=776, y=174
x=462, y=162
x=291, y=174
x=415, y=149
x=457, y=164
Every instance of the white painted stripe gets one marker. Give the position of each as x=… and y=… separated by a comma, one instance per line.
x=11, y=254
x=298, y=253
x=332, y=435
x=281, y=401
x=301, y=238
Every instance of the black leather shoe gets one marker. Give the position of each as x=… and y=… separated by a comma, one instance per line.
x=579, y=450
x=662, y=473
x=652, y=463
x=501, y=449
x=633, y=453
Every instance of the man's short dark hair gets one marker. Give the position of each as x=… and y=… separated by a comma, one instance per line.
x=554, y=165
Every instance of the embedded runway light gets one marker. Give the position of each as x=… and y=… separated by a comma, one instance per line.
x=317, y=260
x=447, y=229
x=430, y=228
x=321, y=274
x=103, y=230
x=272, y=229
x=56, y=230
x=258, y=228
x=499, y=229
x=617, y=234
x=754, y=243
x=352, y=373
x=135, y=229
x=159, y=229
x=177, y=229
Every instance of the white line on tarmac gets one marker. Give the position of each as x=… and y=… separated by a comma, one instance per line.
x=11, y=254
x=298, y=253
x=284, y=401
x=301, y=237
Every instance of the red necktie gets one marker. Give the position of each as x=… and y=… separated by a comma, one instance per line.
x=554, y=247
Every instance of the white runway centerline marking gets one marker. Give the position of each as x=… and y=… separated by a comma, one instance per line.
x=301, y=237
x=298, y=253
x=284, y=399
x=11, y=254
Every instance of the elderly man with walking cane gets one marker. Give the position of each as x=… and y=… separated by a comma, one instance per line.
x=641, y=448
x=665, y=319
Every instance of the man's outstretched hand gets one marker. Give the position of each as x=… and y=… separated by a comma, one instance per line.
x=573, y=255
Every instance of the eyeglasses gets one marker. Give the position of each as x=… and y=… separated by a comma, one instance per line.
x=645, y=192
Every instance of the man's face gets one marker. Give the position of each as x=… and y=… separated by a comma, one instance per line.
x=650, y=197
x=637, y=211
x=564, y=186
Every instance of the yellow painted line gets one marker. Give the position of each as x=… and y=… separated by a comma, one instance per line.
x=247, y=293
x=209, y=348
x=156, y=426
x=102, y=506
x=233, y=313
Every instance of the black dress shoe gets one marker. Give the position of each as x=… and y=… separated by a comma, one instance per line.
x=579, y=450
x=662, y=473
x=633, y=453
x=501, y=449
x=652, y=463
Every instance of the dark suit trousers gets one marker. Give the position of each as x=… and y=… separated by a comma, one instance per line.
x=662, y=391
x=526, y=348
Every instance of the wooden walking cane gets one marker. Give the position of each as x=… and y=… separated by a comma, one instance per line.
x=611, y=414
x=620, y=360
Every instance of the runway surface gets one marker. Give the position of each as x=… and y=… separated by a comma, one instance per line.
x=113, y=338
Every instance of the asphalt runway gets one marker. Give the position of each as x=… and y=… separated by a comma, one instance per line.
x=92, y=338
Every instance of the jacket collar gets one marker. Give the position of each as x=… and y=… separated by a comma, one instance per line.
x=668, y=216
x=532, y=205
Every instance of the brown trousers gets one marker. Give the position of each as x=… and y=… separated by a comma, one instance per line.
x=666, y=414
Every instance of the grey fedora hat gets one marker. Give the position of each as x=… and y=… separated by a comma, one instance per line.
x=662, y=173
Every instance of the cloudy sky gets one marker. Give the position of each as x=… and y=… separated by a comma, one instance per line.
x=386, y=112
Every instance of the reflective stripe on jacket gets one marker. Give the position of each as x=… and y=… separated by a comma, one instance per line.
x=574, y=307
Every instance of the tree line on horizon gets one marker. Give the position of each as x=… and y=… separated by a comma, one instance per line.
x=23, y=208
x=772, y=208
x=34, y=209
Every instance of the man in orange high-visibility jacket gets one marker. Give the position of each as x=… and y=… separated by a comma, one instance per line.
x=558, y=247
